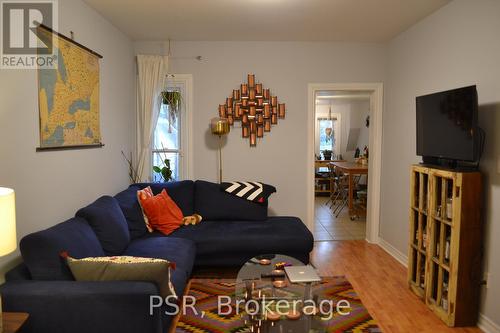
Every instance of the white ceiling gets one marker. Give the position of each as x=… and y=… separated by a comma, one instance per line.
x=265, y=20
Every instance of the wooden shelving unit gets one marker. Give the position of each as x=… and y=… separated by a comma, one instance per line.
x=323, y=185
x=445, y=242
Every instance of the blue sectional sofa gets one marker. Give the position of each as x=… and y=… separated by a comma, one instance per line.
x=233, y=230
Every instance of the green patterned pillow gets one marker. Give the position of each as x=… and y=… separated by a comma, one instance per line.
x=123, y=268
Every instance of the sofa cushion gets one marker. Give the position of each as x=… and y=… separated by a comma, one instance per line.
x=283, y=235
x=123, y=268
x=253, y=191
x=182, y=192
x=108, y=222
x=213, y=203
x=40, y=250
x=142, y=195
x=180, y=251
x=179, y=279
x=162, y=212
x=131, y=209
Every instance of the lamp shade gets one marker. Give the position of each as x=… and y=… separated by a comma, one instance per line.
x=219, y=126
x=8, y=241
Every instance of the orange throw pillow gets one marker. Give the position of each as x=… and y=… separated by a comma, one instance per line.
x=162, y=212
x=143, y=195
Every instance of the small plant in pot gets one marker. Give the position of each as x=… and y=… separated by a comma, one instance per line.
x=164, y=171
x=327, y=154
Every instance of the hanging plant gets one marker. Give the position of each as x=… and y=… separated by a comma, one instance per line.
x=173, y=99
x=328, y=133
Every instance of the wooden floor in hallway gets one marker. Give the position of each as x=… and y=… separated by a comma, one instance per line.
x=381, y=283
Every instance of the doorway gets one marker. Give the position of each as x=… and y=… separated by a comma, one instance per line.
x=343, y=119
x=341, y=135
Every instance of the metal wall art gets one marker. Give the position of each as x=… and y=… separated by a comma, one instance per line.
x=255, y=107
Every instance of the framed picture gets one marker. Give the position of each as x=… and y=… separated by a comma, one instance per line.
x=68, y=96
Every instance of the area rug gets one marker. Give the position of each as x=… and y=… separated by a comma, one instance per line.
x=206, y=292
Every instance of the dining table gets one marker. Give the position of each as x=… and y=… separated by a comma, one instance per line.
x=351, y=170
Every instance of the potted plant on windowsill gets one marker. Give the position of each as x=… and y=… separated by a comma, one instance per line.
x=173, y=99
x=327, y=154
x=164, y=171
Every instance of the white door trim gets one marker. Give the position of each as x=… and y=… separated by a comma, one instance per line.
x=376, y=91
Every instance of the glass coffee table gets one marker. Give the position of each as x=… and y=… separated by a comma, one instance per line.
x=268, y=302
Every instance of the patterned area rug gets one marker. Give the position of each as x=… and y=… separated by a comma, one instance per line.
x=206, y=320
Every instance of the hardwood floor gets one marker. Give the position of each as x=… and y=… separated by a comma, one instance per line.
x=381, y=283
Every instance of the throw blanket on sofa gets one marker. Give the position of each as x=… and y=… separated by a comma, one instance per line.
x=252, y=191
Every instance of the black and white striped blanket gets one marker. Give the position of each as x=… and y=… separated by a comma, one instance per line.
x=251, y=191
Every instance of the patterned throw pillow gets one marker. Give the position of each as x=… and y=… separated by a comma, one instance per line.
x=123, y=268
x=163, y=213
x=143, y=195
x=251, y=191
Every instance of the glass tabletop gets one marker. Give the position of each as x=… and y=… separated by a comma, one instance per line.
x=268, y=302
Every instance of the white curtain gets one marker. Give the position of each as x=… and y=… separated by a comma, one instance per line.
x=151, y=79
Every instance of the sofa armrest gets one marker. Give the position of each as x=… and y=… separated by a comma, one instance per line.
x=74, y=307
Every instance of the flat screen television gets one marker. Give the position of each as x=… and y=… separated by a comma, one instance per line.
x=447, y=126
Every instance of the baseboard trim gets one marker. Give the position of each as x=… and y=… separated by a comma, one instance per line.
x=487, y=325
x=395, y=253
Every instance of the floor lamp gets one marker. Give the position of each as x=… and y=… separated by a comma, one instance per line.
x=220, y=127
x=8, y=240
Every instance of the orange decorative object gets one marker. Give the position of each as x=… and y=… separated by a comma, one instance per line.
x=258, y=89
x=253, y=110
x=253, y=139
x=281, y=110
x=267, y=94
x=280, y=284
x=274, y=101
x=244, y=90
x=222, y=111
x=293, y=315
x=267, y=125
x=253, y=105
x=142, y=196
x=163, y=213
x=273, y=316
x=274, y=119
x=260, y=131
x=267, y=111
x=251, y=80
x=245, y=132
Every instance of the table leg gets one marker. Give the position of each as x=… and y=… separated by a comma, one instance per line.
x=308, y=291
x=351, y=192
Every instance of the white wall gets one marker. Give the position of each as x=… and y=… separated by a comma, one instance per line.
x=456, y=46
x=284, y=67
x=51, y=186
x=361, y=110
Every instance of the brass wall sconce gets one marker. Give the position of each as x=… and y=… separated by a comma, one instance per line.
x=255, y=107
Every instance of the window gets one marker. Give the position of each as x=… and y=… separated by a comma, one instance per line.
x=166, y=142
x=326, y=142
x=170, y=138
